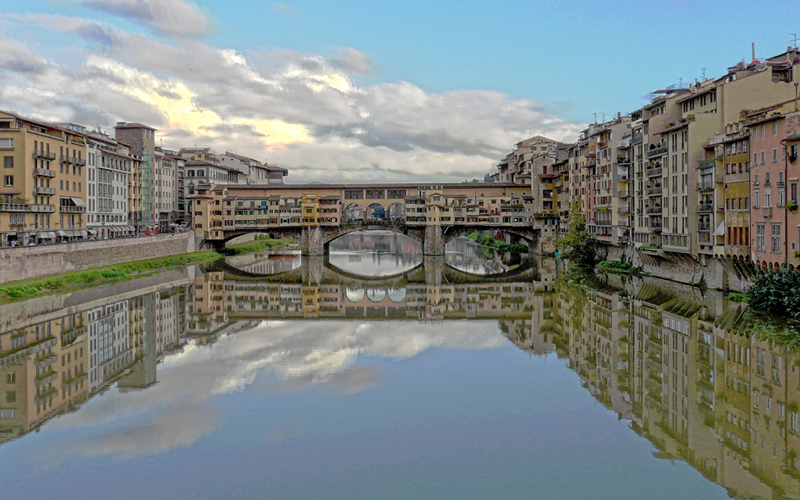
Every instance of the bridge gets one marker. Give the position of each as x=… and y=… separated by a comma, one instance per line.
x=316, y=214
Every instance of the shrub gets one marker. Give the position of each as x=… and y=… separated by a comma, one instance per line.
x=776, y=292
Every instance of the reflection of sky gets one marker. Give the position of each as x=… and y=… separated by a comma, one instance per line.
x=372, y=263
x=348, y=410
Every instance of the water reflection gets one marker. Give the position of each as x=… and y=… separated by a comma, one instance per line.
x=678, y=364
x=375, y=253
x=673, y=361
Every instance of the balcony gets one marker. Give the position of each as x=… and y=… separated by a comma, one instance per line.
x=44, y=172
x=65, y=159
x=704, y=228
x=637, y=139
x=705, y=208
x=656, y=152
x=705, y=186
x=623, y=193
x=591, y=163
x=710, y=163
x=43, y=155
x=652, y=172
x=623, y=210
x=47, y=209
x=623, y=160
x=67, y=209
x=14, y=207
x=44, y=191
x=654, y=191
x=623, y=178
x=653, y=210
x=78, y=161
x=766, y=212
x=657, y=228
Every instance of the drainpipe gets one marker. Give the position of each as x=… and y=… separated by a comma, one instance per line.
x=785, y=203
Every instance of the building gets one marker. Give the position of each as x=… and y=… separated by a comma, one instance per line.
x=141, y=139
x=43, y=194
x=254, y=171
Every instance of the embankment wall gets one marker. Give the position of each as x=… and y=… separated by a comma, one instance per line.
x=21, y=263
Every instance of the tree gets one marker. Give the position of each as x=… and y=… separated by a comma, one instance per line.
x=577, y=244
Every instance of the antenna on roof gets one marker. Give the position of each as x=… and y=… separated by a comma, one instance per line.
x=704, y=74
x=595, y=117
x=794, y=40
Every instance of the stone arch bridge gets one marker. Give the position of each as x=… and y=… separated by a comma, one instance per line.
x=317, y=214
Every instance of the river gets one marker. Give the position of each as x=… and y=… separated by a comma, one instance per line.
x=380, y=373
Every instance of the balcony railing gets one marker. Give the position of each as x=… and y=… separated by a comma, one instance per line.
x=704, y=228
x=623, y=210
x=78, y=161
x=705, y=207
x=44, y=155
x=653, y=210
x=652, y=172
x=43, y=208
x=72, y=209
x=657, y=228
x=44, y=191
x=659, y=151
x=710, y=163
x=705, y=186
x=44, y=172
x=655, y=190
x=767, y=212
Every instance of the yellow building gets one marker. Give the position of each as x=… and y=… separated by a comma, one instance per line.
x=43, y=195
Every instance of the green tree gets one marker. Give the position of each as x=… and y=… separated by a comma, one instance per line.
x=577, y=244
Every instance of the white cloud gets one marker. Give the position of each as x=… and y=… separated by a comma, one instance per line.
x=166, y=17
x=298, y=354
x=302, y=111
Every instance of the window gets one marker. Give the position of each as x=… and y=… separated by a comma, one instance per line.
x=774, y=129
x=774, y=155
x=761, y=230
x=6, y=143
x=8, y=161
x=775, y=237
x=763, y=156
x=11, y=378
x=11, y=396
x=8, y=180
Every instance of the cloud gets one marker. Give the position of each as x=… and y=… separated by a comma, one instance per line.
x=288, y=11
x=354, y=61
x=176, y=411
x=166, y=17
x=301, y=111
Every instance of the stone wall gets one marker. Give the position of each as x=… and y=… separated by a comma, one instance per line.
x=714, y=273
x=20, y=263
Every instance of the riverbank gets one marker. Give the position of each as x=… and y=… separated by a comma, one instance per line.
x=28, y=289
x=25, y=263
x=256, y=246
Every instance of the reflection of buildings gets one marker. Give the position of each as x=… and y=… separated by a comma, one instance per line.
x=52, y=363
x=677, y=365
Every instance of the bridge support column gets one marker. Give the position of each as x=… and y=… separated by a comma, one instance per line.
x=434, y=241
x=434, y=265
x=312, y=241
x=311, y=269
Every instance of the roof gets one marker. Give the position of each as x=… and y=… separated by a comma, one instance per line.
x=123, y=125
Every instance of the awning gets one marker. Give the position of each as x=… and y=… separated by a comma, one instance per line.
x=93, y=232
x=720, y=229
x=46, y=235
x=82, y=233
x=62, y=233
x=78, y=202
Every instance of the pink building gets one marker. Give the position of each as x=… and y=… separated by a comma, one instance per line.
x=768, y=188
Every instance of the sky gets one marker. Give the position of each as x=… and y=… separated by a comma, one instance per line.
x=367, y=90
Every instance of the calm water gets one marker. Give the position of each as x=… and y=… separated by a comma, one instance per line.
x=379, y=373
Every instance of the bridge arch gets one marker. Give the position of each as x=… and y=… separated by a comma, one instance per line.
x=354, y=212
x=397, y=212
x=375, y=211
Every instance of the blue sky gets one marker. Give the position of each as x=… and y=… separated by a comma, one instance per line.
x=397, y=89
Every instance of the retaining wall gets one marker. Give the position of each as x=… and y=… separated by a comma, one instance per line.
x=21, y=263
x=713, y=273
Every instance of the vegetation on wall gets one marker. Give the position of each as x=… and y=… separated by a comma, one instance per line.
x=577, y=244
x=486, y=240
x=27, y=289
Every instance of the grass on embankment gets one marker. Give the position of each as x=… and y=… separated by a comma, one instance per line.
x=255, y=246
x=615, y=267
x=48, y=285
